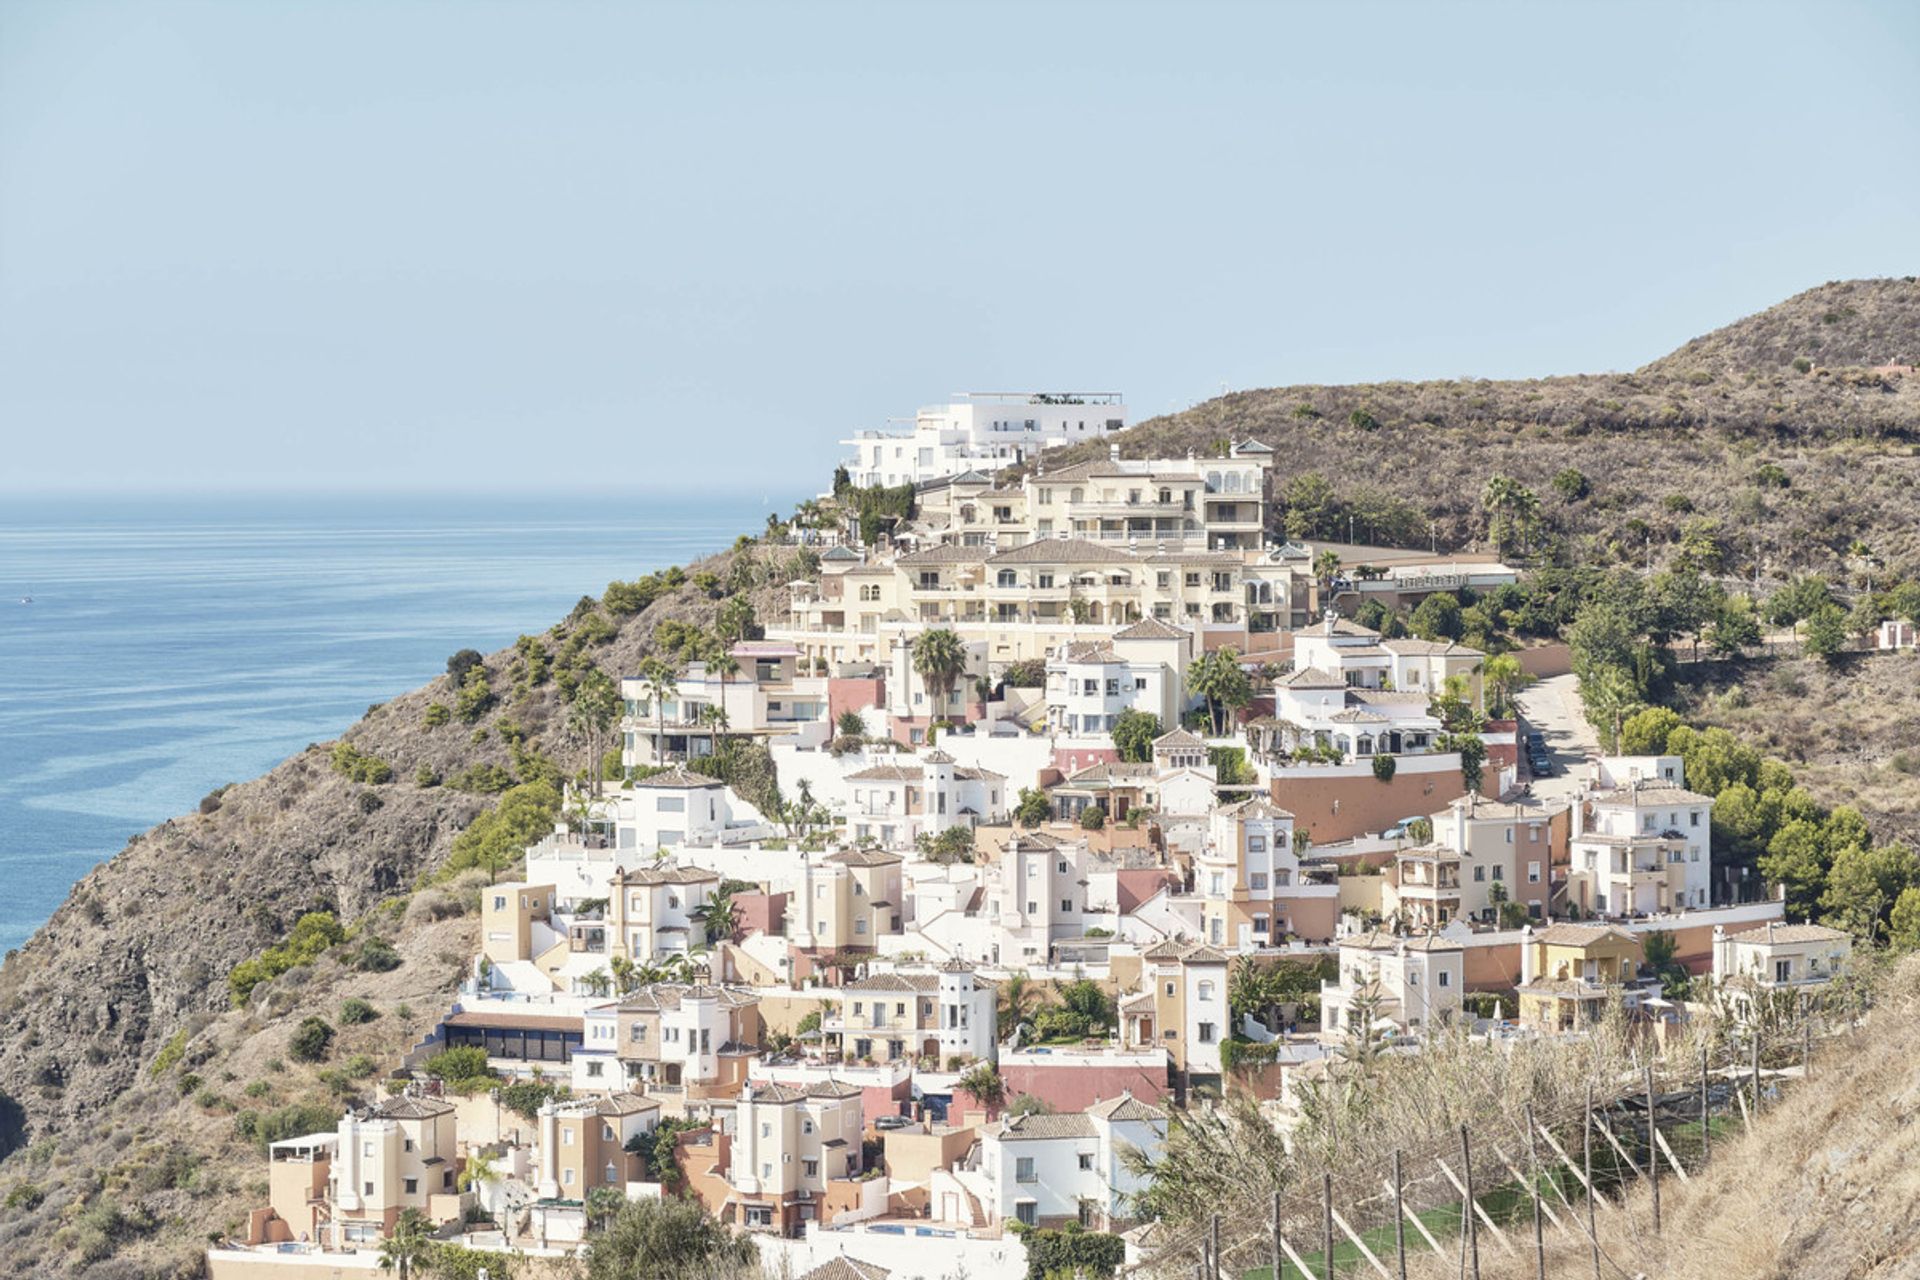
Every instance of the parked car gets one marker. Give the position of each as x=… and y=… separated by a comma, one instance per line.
x=1541, y=767
x=1536, y=740
x=1398, y=831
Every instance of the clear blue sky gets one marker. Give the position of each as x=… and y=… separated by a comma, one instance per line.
x=550, y=244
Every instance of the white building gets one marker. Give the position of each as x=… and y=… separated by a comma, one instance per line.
x=1411, y=983
x=1051, y=1170
x=767, y=691
x=1142, y=667
x=1641, y=848
x=1363, y=660
x=1778, y=957
x=895, y=803
x=981, y=430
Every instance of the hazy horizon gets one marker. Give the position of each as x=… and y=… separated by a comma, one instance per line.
x=419, y=246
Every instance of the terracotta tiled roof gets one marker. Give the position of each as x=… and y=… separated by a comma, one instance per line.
x=898, y=982
x=1177, y=738
x=864, y=857
x=1311, y=678
x=1125, y=1107
x=1063, y=551
x=412, y=1107
x=1039, y=1126
x=1580, y=935
x=1149, y=629
x=1789, y=933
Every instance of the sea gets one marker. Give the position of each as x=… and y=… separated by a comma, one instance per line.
x=153, y=648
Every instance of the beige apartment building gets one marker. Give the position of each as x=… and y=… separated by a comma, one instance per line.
x=1253, y=890
x=698, y=1040
x=403, y=1154
x=788, y=1145
x=846, y=901
x=583, y=1144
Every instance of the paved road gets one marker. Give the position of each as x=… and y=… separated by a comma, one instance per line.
x=1553, y=707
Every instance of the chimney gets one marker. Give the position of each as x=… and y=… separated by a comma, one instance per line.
x=1527, y=974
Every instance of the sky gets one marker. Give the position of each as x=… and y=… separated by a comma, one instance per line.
x=550, y=245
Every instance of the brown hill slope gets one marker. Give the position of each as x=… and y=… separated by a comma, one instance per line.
x=1783, y=471
x=1823, y=1188
x=141, y=950
x=1859, y=323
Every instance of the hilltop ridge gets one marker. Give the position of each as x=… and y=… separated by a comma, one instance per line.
x=1784, y=470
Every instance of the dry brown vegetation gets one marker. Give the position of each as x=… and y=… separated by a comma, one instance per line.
x=1847, y=728
x=1824, y=1188
x=1683, y=439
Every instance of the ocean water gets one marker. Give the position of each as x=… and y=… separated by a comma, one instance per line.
x=173, y=645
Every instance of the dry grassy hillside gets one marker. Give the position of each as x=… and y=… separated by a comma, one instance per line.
x=1848, y=729
x=1824, y=1188
x=1690, y=438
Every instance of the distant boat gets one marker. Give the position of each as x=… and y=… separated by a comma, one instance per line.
x=26, y=599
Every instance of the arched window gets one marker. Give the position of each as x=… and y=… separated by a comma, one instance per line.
x=1233, y=482
x=1005, y=578
x=1213, y=482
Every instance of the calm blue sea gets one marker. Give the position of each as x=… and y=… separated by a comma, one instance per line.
x=173, y=644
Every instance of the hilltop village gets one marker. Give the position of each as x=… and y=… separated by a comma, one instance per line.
x=1102, y=801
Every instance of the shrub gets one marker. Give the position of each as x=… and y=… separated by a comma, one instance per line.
x=481, y=779
x=354, y=1011
x=525, y=1097
x=311, y=935
x=476, y=696
x=359, y=766
x=1093, y=817
x=311, y=1041
x=376, y=955
x=1384, y=768
x=24, y=1195
x=258, y=1089
x=461, y=663
x=426, y=776
x=188, y=1083
x=464, y=1068
x=437, y=714
x=170, y=1053
x=292, y=1121
x=1571, y=484
x=359, y=1067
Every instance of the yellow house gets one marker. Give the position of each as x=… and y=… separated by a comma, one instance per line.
x=508, y=914
x=1569, y=971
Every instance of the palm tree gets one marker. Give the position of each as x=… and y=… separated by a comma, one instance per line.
x=663, y=680
x=598, y=983
x=939, y=659
x=1325, y=566
x=1017, y=995
x=1502, y=675
x=603, y=1203
x=718, y=914
x=724, y=666
x=1218, y=678
x=1610, y=695
x=1512, y=510
x=596, y=705
x=626, y=975
x=409, y=1245
x=480, y=1172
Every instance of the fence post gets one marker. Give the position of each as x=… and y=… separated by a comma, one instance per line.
x=1213, y=1244
x=1473, y=1228
x=1706, y=1109
x=1756, y=1071
x=1806, y=1047
x=1326, y=1210
x=1399, y=1218
x=1586, y=1150
x=1276, y=1235
x=1653, y=1155
x=1533, y=1181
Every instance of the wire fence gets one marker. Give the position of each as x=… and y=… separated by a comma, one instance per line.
x=1505, y=1187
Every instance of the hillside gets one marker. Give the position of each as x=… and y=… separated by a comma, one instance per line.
x=141, y=950
x=1823, y=1188
x=1724, y=441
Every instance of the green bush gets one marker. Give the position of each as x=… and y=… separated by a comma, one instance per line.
x=312, y=934
x=311, y=1041
x=359, y=766
x=497, y=838
x=437, y=714
x=360, y=1066
x=170, y=1053
x=525, y=1097
x=1088, y=1255
x=24, y=1195
x=426, y=776
x=1093, y=818
x=1384, y=767
x=354, y=1011
x=463, y=1069
x=376, y=955
x=481, y=779
x=296, y=1120
x=476, y=696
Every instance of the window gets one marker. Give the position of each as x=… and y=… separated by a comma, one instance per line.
x=806, y=1125
x=566, y=1137
x=1782, y=970
x=1499, y=873
x=1256, y=844
x=412, y=1186
x=499, y=902
x=1023, y=1170
x=1169, y=993
x=1533, y=873
x=1066, y=904
x=1206, y=991
x=1026, y=1211
x=1479, y=874
x=1206, y=1033
x=611, y=1173
x=1693, y=817
x=1257, y=880
x=593, y=1069
x=1446, y=979
x=566, y=1176
x=766, y=1130
x=810, y=1168
x=1086, y=1160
